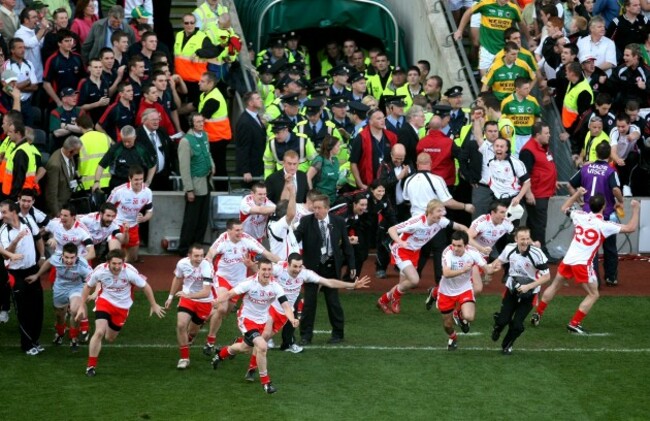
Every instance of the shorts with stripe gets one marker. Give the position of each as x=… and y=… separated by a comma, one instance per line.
x=583, y=274
x=116, y=316
x=448, y=303
x=404, y=257
x=279, y=319
x=198, y=310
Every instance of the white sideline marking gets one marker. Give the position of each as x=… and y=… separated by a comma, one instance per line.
x=412, y=348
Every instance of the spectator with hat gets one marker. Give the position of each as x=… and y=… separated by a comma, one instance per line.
x=458, y=117
x=139, y=10
x=286, y=87
x=294, y=70
x=298, y=52
x=274, y=53
x=314, y=127
x=397, y=81
x=394, y=112
x=291, y=109
x=358, y=113
x=63, y=119
x=265, y=84
x=594, y=75
x=358, y=86
x=284, y=139
x=339, y=107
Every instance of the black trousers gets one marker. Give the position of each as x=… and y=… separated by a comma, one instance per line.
x=383, y=255
x=218, y=153
x=513, y=313
x=5, y=289
x=195, y=222
x=610, y=259
x=28, y=302
x=334, y=309
x=536, y=221
x=288, y=330
x=436, y=245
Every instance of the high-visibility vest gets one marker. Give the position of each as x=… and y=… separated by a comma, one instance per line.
x=374, y=87
x=6, y=148
x=206, y=14
x=94, y=146
x=570, y=105
x=30, y=176
x=221, y=38
x=186, y=66
x=217, y=126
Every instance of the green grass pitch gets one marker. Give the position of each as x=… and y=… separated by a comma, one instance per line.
x=388, y=367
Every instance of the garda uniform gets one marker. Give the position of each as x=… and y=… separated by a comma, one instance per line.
x=185, y=63
x=458, y=118
x=298, y=142
x=267, y=91
x=323, y=128
x=94, y=146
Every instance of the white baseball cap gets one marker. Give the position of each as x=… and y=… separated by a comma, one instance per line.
x=514, y=213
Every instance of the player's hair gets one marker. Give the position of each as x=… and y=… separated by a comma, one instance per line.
x=248, y=97
x=574, y=68
x=572, y=47
x=376, y=183
x=117, y=36
x=137, y=58
x=94, y=59
x=14, y=41
x=263, y=261
x=28, y=192
x=19, y=127
x=122, y=85
x=510, y=32
x=603, y=98
x=632, y=105
x=623, y=117
x=70, y=248
x=105, y=51
x=159, y=57
x=603, y=151
x=25, y=13
x=84, y=121
x=13, y=206
x=70, y=208
x=433, y=204
x=511, y=46
x=294, y=256
x=63, y=34
x=359, y=197
x=157, y=73
x=414, y=69
x=135, y=170
x=291, y=154
x=521, y=81
x=538, y=127
x=230, y=224
x=114, y=254
x=521, y=228
x=14, y=115
x=146, y=89
x=147, y=34
x=107, y=206
x=491, y=101
x=195, y=246
x=597, y=202
x=495, y=205
x=460, y=235
x=323, y=198
x=280, y=209
x=257, y=186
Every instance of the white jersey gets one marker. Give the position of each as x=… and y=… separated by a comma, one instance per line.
x=488, y=233
x=117, y=290
x=254, y=225
x=487, y=150
x=291, y=286
x=25, y=245
x=301, y=211
x=461, y=283
x=69, y=276
x=590, y=232
x=282, y=241
x=77, y=235
x=503, y=182
x=623, y=144
x=417, y=232
x=419, y=192
x=195, y=278
x=230, y=256
x=130, y=203
x=98, y=232
x=35, y=218
x=531, y=264
x=257, y=299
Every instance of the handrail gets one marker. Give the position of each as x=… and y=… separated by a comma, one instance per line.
x=435, y=6
x=229, y=179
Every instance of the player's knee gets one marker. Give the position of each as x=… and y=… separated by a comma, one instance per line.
x=262, y=347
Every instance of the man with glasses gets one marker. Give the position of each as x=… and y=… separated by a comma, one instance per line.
x=188, y=41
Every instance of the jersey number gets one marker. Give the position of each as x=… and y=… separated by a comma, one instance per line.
x=588, y=237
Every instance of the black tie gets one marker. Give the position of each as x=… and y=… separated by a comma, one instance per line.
x=398, y=125
x=313, y=128
x=323, y=234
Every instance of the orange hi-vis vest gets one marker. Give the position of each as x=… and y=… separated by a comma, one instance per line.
x=185, y=63
x=30, y=176
x=218, y=125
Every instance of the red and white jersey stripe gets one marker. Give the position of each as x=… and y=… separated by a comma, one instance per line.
x=257, y=298
x=77, y=235
x=488, y=233
x=230, y=256
x=290, y=285
x=254, y=225
x=117, y=290
x=589, y=234
x=195, y=277
x=417, y=232
x=130, y=203
x=461, y=283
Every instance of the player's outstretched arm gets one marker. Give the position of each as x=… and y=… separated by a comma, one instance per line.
x=43, y=269
x=288, y=310
x=154, y=307
x=335, y=283
x=573, y=198
x=633, y=223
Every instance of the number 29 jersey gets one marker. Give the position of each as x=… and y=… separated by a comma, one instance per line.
x=590, y=232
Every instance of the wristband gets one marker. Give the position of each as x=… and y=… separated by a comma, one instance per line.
x=170, y=297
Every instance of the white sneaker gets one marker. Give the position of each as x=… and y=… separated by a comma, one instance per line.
x=270, y=344
x=183, y=363
x=627, y=191
x=32, y=352
x=4, y=317
x=294, y=349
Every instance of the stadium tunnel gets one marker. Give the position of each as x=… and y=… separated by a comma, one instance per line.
x=370, y=22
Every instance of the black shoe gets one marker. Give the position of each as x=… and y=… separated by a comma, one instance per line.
x=208, y=350
x=611, y=282
x=250, y=375
x=84, y=337
x=452, y=345
x=496, y=332
x=578, y=329
x=464, y=326
x=58, y=339
x=74, y=346
x=507, y=351
x=304, y=342
x=90, y=372
x=534, y=319
x=335, y=340
x=269, y=388
x=431, y=300
x=215, y=362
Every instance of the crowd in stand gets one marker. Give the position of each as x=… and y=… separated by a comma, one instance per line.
x=341, y=134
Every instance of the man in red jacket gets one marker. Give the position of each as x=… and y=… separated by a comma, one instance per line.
x=442, y=151
x=370, y=148
x=536, y=156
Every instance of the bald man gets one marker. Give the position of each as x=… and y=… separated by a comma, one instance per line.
x=392, y=174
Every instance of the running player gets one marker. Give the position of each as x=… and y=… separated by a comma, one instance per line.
x=456, y=285
x=291, y=275
x=66, y=229
x=117, y=279
x=232, y=250
x=103, y=228
x=133, y=201
x=254, y=212
x=408, y=238
x=590, y=232
x=71, y=271
x=192, y=283
x=259, y=292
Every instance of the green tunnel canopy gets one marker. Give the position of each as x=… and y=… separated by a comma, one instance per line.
x=370, y=17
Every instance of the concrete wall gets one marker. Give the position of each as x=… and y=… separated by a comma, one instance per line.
x=169, y=207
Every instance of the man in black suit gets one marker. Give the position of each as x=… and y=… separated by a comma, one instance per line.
x=250, y=140
x=157, y=142
x=275, y=182
x=409, y=134
x=325, y=247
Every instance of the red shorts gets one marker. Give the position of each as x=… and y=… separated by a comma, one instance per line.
x=447, y=303
x=582, y=274
x=134, y=237
x=116, y=316
x=279, y=319
x=246, y=325
x=195, y=308
x=52, y=275
x=404, y=257
x=223, y=283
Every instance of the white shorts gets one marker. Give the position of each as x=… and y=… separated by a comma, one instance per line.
x=520, y=141
x=459, y=4
x=476, y=20
x=485, y=58
x=61, y=295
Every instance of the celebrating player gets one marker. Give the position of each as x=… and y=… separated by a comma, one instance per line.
x=117, y=279
x=590, y=232
x=408, y=238
x=66, y=229
x=103, y=228
x=259, y=292
x=456, y=285
x=193, y=284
